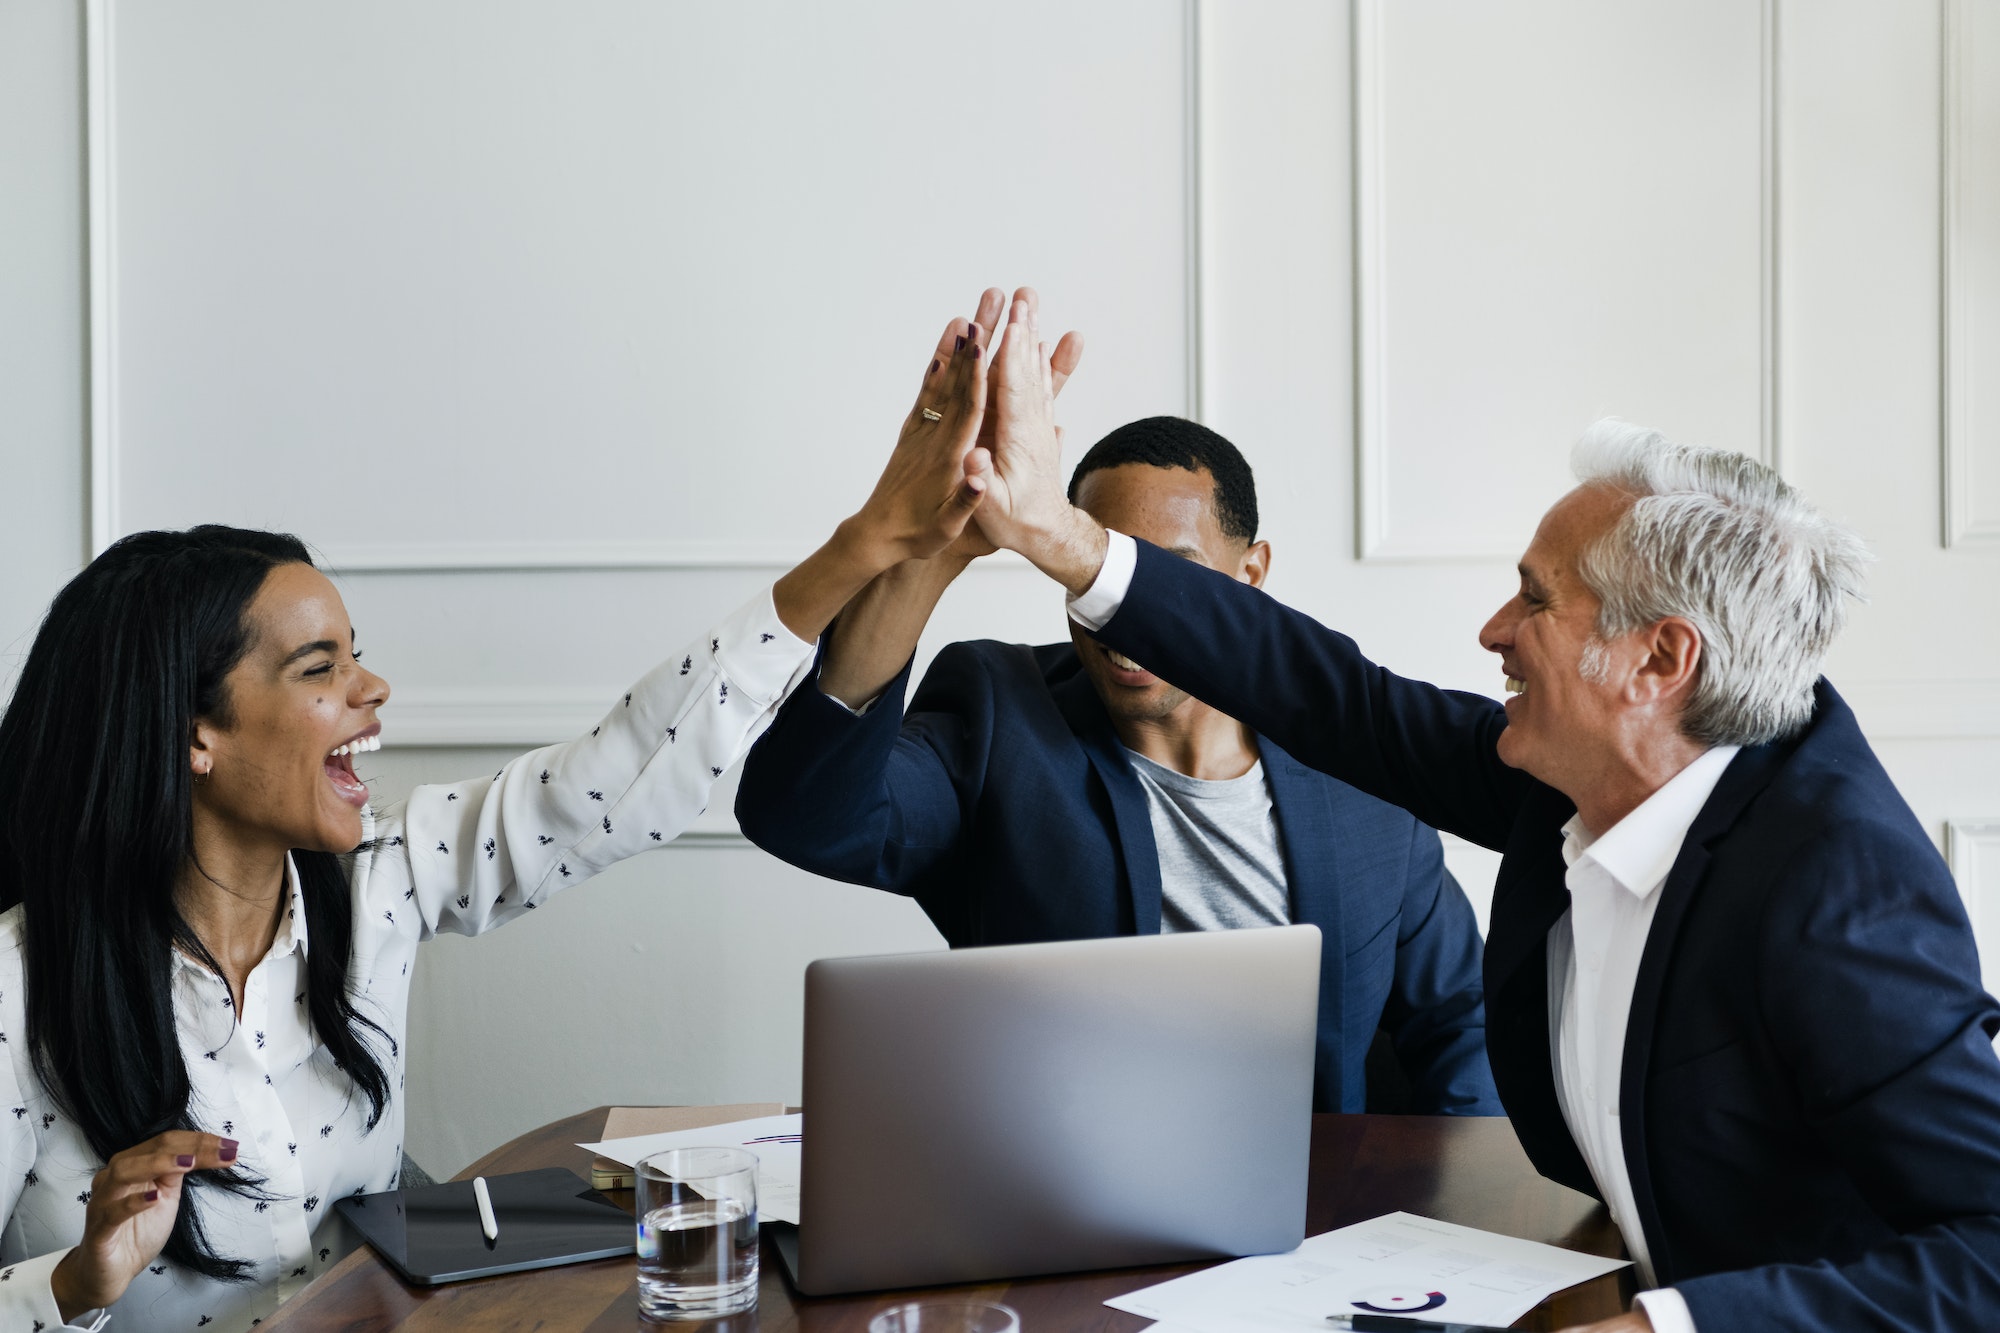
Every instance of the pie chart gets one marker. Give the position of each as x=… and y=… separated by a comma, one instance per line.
x=1398, y=1300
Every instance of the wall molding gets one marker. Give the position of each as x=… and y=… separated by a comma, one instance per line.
x=1771, y=436
x=1889, y=710
x=1194, y=76
x=1925, y=710
x=711, y=837
x=560, y=556
x=475, y=715
x=1371, y=478
x=1963, y=524
x=1373, y=540
x=1969, y=845
x=513, y=555
x=1972, y=850
x=100, y=207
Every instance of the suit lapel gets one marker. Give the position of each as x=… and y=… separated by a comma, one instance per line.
x=1311, y=845
x=1084, y=712
x=1531, y=893
x=1302, y=802
x=1529, y=897
x=1747, y=775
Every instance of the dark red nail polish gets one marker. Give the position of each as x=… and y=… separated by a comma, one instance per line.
x=185, y=1159
x=961, y=344
x=152, y=1195
x=934, y=366
x=227, y=1154
x=975, y=349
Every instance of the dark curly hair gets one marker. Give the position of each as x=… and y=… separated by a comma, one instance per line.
x=1178, y=442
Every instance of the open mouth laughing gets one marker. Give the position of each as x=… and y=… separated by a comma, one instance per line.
x=339, y=765
x=1124, y=671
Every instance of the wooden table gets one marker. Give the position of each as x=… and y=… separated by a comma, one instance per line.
x=1465, y=1170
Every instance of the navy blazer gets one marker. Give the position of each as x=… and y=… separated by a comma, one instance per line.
x=1004, y=804
x=1810, y=1093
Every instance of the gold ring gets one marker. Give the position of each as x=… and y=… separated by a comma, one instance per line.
x=929, y=415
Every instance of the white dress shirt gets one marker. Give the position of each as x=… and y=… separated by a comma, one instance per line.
x=1594, y=951
x=461, y=858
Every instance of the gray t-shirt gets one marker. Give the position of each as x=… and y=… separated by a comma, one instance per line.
x=1221, y=865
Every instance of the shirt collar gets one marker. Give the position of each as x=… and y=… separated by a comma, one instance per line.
x=291, y=936
x=1640, y=849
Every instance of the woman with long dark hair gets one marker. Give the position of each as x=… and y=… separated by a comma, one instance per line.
x=207, y=936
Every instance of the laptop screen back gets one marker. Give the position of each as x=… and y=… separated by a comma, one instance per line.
x=1002, y=1112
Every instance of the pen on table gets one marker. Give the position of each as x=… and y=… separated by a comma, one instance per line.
x=1395, y=1323
x=487, y=1223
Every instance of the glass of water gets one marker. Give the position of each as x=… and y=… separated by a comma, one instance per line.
x=946, y=1317
x=697, y=1215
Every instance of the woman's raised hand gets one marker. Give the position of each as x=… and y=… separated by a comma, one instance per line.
x=133, y=1203
x=924, y=497
x=935, y=481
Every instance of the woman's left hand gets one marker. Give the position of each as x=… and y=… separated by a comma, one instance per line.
x=924, y=498
x=934, y=482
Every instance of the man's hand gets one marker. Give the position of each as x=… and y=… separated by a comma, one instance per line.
x=1062, y=364
x=1025, y=508
x=878, y=630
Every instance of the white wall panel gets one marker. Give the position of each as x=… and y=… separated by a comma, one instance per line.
x=1561, y=213
x=1973, y=848
x=1972, y=273
x=41, y=317
x=613, y=285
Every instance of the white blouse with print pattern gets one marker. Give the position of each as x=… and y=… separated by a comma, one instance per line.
x=461, y=858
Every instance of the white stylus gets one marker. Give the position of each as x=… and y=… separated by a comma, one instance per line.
x=487, y=1223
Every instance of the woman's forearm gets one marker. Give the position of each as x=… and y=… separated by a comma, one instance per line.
x=814, y=591
x=878, y=631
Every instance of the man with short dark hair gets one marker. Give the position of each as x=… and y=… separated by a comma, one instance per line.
x=1064, y=792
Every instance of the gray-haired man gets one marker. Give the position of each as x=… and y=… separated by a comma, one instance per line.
x=1731, y=989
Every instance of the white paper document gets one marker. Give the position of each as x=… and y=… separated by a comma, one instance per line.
x=774, y=1138
x=1397, y=1264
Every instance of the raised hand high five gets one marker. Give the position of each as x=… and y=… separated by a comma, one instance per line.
x=1058, y=366
x=1025, y=507
x=926, y=493
x=880, y=628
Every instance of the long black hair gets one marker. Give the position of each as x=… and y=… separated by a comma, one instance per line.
x=96, y=826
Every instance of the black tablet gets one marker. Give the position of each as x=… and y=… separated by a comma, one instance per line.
x=545, y=1218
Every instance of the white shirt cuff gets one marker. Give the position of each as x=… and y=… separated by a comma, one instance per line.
x=1668, y=1310
x=757, y=653
x=858, y=710
x=1102, y=599
x=30, y=1297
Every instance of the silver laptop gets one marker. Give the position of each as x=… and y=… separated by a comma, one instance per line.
x=1043, y=1108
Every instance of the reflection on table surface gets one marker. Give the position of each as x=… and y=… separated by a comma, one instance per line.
x=1468, y=1170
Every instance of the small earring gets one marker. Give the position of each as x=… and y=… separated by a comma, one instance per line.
x=201, y=776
